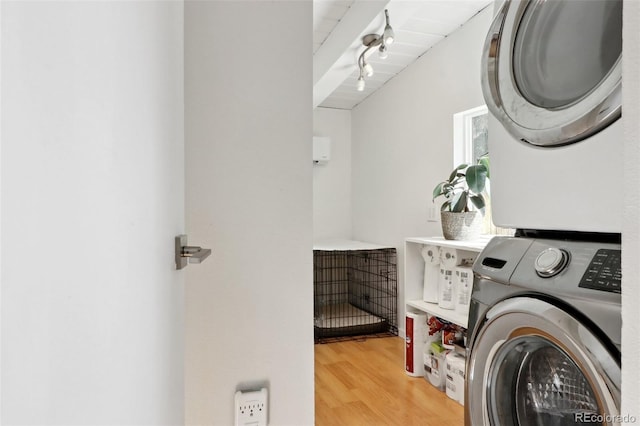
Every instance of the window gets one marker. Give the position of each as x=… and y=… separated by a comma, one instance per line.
x=470, y=142
x=470, y=135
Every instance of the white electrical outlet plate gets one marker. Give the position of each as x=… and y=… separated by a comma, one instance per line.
x=432, y=214
x=251, y=408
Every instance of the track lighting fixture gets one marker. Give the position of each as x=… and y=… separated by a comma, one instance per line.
x=371, y=41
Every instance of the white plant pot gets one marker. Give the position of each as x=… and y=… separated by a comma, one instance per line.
x=461, y=226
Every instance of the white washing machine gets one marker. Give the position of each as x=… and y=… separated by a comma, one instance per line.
x=551, y=78
x=543, y=343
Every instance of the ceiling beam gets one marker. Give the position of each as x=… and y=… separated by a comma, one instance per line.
x=334, y=61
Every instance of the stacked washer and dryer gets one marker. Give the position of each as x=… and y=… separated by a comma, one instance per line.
x=543, y=344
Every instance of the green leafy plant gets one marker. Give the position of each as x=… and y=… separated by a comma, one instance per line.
x=465, y=187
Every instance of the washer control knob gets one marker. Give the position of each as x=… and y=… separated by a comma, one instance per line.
x=551, y=261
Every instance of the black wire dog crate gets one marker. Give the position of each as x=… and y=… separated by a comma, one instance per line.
x=355, y=293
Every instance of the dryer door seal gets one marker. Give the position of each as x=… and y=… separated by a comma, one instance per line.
x=533, y=363
x=552, y=70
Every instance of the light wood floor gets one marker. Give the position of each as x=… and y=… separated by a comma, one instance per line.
x=362, y=382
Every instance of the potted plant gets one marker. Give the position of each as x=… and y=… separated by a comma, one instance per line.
x=462, y=211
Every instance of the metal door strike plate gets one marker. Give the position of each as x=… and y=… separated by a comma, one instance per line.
x=188, y=254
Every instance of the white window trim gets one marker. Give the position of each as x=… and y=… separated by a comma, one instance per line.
x=462, y=146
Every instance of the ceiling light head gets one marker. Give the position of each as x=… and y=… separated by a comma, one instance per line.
x=368, y=69
x=382, y=52
x=388, y=36
x=360, y=84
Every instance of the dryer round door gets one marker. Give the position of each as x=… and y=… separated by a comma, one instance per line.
x=552, y=70
x=532, y=363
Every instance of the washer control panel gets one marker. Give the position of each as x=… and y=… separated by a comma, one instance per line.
x=604, y=271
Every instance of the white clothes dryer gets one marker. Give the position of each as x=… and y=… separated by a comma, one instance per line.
x=551, y=78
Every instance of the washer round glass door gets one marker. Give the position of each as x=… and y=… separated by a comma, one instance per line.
x=533, y=364
x=534, y=382
x=552, y=69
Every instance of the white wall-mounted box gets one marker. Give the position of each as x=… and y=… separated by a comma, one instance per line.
x=321, y=149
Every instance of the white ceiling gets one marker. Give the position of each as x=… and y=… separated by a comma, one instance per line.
x=338, y=28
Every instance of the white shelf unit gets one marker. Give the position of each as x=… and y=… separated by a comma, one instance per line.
x=343, y=245
x=414, y=275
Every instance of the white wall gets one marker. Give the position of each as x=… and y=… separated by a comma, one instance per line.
x=248, y=121
x=92, y=195
x=402, y=153
x=332, y=181
x=631, y=218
